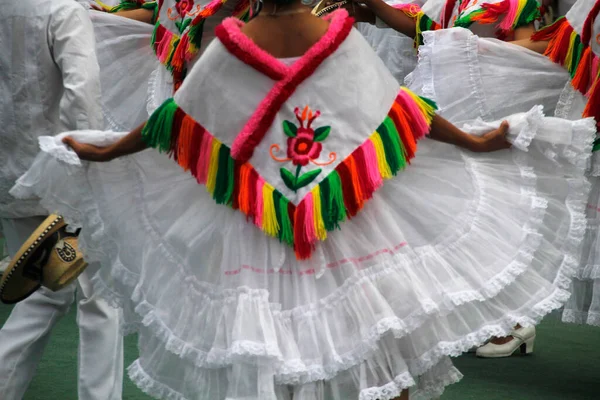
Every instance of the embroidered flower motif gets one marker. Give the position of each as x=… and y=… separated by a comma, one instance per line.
x=184, y=6
x=303, y=147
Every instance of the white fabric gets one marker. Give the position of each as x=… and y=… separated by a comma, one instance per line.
x=584, y=305
x=499, y=72
x=471, y=77
x=48, y=84
x=455, y=249
x=396, y=50
x=126, y=63
x=377, y=97
x=26, y=332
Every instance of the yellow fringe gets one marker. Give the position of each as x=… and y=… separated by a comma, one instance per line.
x=211, y=178
x=384, y=168
x=569, y=58
x=320, y=230
x=270, y=225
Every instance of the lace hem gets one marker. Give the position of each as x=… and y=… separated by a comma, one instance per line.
x=389, y=391
x=581, y=317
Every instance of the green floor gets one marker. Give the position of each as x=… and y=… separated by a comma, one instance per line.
x=564, y=366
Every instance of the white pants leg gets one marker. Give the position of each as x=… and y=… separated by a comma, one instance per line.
x=26, y=332
x=100, y=345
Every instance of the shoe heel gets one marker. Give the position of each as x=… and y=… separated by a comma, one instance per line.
x=527, y=346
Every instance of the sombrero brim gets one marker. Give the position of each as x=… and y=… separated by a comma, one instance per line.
x=14, y=286
x=327, y=6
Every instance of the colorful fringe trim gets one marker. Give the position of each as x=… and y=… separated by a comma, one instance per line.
x=339, y=196
x=422, y=21
x=574, y=52
x=126, y=5
x=174, y=51
x=513, y=13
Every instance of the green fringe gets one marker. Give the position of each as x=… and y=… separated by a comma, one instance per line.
x=467, y=20
x=393, y=152
x=596, y=146
x=195, y=34
x=577, y=52
x=425, y=24
x=393, y=132
x=333, y=209
x=530, y=13
x=287, y=229
x=152, y=5
x=157, y=131
x=276, y=198
x=225, y=178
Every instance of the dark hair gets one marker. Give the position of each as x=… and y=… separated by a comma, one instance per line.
x=282, y=2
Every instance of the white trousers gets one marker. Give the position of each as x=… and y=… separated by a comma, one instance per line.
x=26, y=332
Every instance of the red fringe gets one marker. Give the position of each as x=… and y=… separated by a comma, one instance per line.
x=447, y=16
x=366, y=188
x=199, y=132
x=559, y=35
x=235, y=203
x=493, y=12
x=586, y=32
x=350, y=201
x=592, y=108
x=301, y=244
x=581, y=79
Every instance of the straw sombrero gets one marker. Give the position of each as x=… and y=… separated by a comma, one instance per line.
x=49, y=258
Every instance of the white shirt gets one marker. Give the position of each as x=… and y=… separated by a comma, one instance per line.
x=49, y=83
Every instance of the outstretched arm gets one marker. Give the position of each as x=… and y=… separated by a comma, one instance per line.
x=393, y=17
x=443, y=131
x=130, y=144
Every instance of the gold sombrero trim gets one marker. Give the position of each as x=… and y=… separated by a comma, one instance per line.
x=24, y=255
x=327, y=9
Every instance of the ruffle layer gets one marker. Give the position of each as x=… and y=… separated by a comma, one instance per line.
x=392, y=293
x=584, y=305
x=471, y=77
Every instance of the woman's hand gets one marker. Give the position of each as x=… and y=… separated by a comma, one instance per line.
x=132, y=143
x=90, y=152
x=491, y=141
x=443, y=131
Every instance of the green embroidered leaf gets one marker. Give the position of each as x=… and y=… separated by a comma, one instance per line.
x=184, y=25
x=288, y=179
x=290, y=129
x=307, y=178
x=322, y=133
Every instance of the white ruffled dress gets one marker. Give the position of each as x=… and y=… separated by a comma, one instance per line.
x=454, y=249
x=584, y=305
x=472, y=77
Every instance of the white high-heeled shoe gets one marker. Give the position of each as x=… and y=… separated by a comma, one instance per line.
x=523, y=340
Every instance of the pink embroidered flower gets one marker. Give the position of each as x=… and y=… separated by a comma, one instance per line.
x=184, y=6
x=302, y=148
